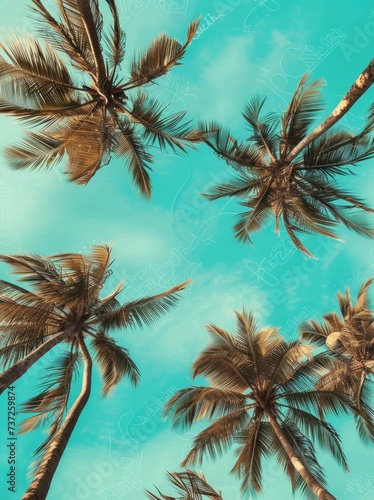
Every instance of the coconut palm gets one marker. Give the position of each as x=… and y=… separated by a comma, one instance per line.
x=63, y=307
x=89, y=111
x=189, y=485
x=302, y=190
x=350, y=337
x=261, y=397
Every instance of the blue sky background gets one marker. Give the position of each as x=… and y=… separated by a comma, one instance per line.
x=122, y=444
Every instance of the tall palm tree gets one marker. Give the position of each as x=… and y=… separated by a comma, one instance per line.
x=63, y=307
x=350, y=337
x=302, y=189
x=89, y=112
x=189, y=485
x=261, y=396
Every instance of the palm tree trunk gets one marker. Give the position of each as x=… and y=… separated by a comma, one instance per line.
x=363, y=82
x=310, y=480
x=89, y=23
x=39, y=487
x=8, y=377
x=359, y=388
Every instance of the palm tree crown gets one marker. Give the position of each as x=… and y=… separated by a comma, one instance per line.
x=303, y=191
x=86, y=122
x=350, y=338
x=63, y=306
x=189, y=485
x=261, y=396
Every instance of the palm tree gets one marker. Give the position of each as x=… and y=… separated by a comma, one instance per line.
x=85, y=122
x=64, y=307
x=189, y=486
x=261, y=396
x=300, y=189
x=350, y=338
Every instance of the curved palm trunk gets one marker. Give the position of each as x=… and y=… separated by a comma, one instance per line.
x=89, y=23
x=363, y=82
x=8, y=377
x=310, y=480
x=38, y=489
x=359, y=388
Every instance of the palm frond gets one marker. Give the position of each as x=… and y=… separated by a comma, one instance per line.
x=300, y=113
x=255, y=444
x=321, y=432
x=242, y=186
x=139, y=160
x=115, y=40
x=238, y=155
x=197, y=403
x=166, y=130
x=114, y=361
x=265, y=129
x=34, y=73
x=66, y=33
x=144, y=311
x=189, y=484
x=161, y=56
x=257, y=217
x=217, y=438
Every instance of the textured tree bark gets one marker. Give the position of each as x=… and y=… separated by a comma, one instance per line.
x=39, y=487
x=310, y=480
x=359, y=388
x=88, y=21
x=8, y=377
x=361, y=85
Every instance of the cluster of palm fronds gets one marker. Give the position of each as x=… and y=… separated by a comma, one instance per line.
x=303, y=190
x=86, y=122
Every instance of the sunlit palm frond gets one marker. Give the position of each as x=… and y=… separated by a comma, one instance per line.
x=88, y=143
x=161, y=56
x=63, y=34
x=226, y=368
x=301, y=112
x=35, y=73
x=34, y=151
x=144, y=311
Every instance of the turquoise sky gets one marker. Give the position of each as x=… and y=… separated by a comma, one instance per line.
x=121, y=444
